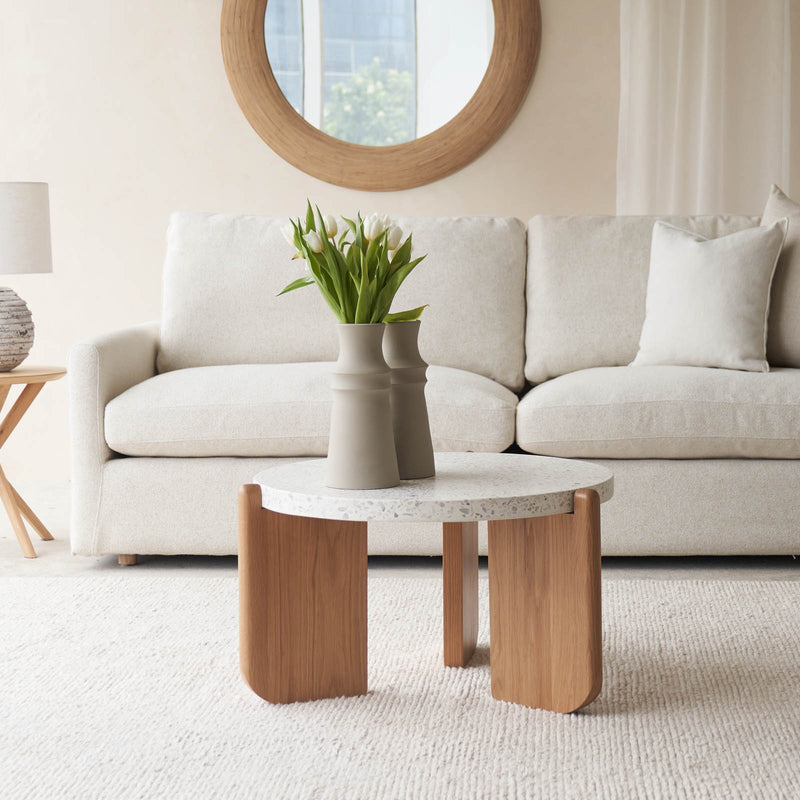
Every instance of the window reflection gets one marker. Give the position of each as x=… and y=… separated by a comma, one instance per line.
x=283, y=31
x=358, y=77
x=369, y=70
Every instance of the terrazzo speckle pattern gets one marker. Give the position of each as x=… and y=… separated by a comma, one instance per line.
x=467, y=487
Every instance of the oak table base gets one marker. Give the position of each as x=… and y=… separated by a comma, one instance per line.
x=459, y=591
x=303, y=604
x=544, y=608
x=16, y=508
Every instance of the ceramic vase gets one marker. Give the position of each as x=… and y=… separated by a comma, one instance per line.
x=361, y=452
x=16, y=330
x=412, y=432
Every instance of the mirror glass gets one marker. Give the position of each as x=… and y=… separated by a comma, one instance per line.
x=378, y=72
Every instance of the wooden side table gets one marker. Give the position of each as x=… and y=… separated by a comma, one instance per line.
x=33, y=378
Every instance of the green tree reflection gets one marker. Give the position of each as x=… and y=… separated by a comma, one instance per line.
x=374, y=107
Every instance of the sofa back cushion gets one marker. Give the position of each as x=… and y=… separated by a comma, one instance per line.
x=473, y=280
x=783, y=330
x=223, y=273
x=586, y=287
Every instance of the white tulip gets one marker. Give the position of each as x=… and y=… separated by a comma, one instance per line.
x=312, y=239
x=393, y=237
x=288, y=234
x=375, y=225
x=331, y=228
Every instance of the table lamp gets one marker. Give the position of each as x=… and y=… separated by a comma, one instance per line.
x=24, y=248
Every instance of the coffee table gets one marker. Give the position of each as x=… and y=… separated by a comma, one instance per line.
x=303, y=575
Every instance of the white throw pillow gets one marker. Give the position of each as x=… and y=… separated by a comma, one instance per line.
x=708, y=299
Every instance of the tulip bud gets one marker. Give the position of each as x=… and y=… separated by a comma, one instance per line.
x=331, y=228
x=375, y=225
x=393, y=237
x=288, y=234
x=314, y=242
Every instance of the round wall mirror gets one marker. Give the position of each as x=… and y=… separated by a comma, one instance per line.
x=380, y=94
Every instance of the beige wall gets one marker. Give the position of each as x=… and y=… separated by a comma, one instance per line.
x=124, y=108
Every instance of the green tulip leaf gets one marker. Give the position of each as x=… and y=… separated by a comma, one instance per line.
x=298, y=284
x=403, y=253
x=405, y=316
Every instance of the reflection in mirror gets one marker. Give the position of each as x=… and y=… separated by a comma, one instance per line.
x=378, y=72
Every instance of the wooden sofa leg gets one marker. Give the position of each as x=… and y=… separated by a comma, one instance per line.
x=127, y=559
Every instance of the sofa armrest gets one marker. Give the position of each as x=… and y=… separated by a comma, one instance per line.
x=98, y=370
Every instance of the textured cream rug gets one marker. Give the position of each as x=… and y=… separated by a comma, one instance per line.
x=127, y=686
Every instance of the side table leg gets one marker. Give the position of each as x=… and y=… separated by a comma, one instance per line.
x=544, y=601
x=22, y=404
x=14, y=505
x=7, y=495
x=34, y=521
x=302, y=603
x=460, y=591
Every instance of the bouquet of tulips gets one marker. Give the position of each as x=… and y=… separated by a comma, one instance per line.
x=358, y=274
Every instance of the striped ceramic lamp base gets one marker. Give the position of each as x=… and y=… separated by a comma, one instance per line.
x=16, y=330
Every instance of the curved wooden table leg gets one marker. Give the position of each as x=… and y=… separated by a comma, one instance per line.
x=544, y=601
x=460, y=591
x=302, y=603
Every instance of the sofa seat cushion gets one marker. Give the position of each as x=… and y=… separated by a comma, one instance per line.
x=284, y=410
x=663, y=412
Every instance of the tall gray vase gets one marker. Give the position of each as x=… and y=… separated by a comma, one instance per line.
x=412, y=432
x=361, y=452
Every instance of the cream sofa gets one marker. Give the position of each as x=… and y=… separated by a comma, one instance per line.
x=169, y=419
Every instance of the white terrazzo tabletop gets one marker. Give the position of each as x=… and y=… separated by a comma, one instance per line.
x=466, y=487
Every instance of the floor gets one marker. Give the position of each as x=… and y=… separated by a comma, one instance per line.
x=50, y=500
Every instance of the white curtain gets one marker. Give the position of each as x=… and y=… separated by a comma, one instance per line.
x=704, y=120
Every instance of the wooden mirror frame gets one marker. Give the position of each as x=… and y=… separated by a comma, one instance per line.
x=517, y=36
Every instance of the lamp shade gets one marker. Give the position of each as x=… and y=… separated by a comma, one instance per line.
x=24, y=228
